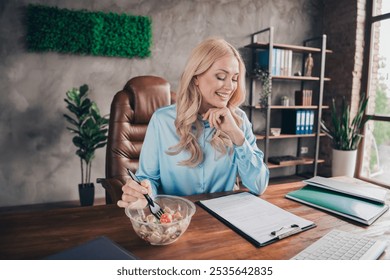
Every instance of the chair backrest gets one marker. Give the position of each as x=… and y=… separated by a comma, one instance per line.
x=131, y=110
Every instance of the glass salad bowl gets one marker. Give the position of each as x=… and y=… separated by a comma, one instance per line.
x=172, y=224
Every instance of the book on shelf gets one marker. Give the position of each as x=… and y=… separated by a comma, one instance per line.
x=281, y=61
x=286, y=160
x=303, y=97
x=358, y=201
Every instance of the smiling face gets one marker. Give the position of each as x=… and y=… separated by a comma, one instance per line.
x=218, y=83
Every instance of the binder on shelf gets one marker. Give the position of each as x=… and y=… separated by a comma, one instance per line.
x=285, y=64
x=307, y=121
x=263, y=59
x=364, y=203
x=281, y=64
x=289, y=62
x=255, y=219
x=292, y=122
x=273, y=72
x=311, y=124
x=300, y=119
x=303, y=122
x=277, y=62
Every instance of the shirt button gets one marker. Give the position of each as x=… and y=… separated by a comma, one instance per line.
x=200, y=165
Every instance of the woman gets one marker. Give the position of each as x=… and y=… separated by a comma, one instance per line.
x=201, y=143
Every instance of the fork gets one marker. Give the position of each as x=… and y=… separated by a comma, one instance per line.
x=154, y=207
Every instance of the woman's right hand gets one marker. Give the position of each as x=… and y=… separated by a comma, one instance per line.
x=133, y=194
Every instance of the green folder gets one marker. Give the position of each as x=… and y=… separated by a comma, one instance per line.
x=359, y=209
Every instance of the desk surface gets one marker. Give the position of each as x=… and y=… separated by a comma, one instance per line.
x=35, y=235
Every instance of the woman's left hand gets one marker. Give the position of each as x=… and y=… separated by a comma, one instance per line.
x=222, y=119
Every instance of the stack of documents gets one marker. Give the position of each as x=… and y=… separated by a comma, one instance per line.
x=359, y=201
x=257, y=220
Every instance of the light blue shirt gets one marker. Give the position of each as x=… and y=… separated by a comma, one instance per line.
x=215, y=174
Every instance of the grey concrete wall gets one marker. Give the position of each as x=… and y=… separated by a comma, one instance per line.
x=37, y=160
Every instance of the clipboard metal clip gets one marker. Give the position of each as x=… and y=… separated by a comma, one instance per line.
x=284, y=232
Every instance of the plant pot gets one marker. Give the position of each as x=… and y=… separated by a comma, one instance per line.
x=86, y=194
x=343, y=163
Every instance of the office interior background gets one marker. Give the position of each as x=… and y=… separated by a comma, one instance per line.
x=38, y=162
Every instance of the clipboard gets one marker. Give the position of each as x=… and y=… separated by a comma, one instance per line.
x=255, y=219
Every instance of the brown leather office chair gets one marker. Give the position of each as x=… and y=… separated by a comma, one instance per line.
x=131, y=110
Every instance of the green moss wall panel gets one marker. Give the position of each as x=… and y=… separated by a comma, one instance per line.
x=89, y=33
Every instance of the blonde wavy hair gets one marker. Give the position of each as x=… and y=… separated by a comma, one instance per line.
x=189, y=99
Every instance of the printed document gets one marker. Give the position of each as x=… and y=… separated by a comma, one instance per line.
x=254, y=217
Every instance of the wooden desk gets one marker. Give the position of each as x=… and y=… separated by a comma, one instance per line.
x=35, y=235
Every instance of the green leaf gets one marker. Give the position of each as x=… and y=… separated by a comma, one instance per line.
x=101, y=145
x=86, y=105
x=83, y=90
x=71, y=120
x=78, y=141
x=73, y=130
x=73, y=95
x=345, y=133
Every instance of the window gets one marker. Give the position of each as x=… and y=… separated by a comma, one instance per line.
x=381, y=8
x=375, y=163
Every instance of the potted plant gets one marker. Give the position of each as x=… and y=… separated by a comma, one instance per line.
x=345, y=134
x=263, y=76
x=90, y=130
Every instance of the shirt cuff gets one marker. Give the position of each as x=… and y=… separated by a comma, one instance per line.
x=244, y=150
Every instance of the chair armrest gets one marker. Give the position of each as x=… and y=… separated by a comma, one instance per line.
x=113, y=189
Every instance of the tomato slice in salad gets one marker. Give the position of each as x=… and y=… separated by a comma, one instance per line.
x=166, y=218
